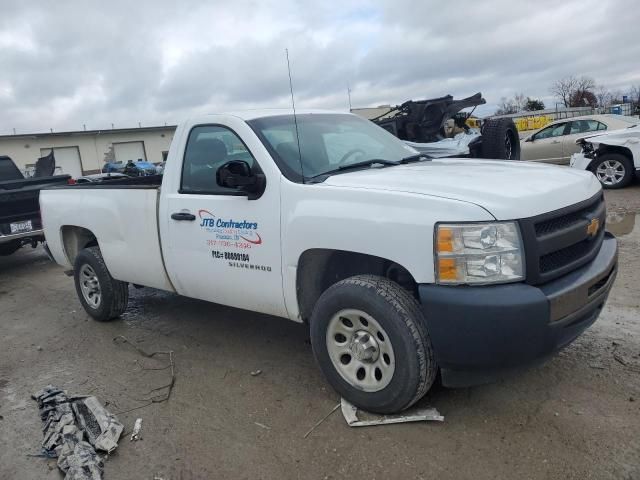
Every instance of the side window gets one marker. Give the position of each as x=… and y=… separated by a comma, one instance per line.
x=551, y=131
x=208, y=148
x=585, y=126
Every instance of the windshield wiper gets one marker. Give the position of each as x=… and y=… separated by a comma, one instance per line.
x=366, y=163
x=418, y=157
x=342, y=168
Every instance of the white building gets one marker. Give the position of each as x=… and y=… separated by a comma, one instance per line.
x=85, y=152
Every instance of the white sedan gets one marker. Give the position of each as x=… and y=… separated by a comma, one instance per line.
x=556, y=142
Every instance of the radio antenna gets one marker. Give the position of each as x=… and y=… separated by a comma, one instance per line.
x=295, y=118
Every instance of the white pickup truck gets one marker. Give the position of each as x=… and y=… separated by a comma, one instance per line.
x=403, y=266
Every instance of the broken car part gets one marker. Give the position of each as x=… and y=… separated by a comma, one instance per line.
x=74, y=427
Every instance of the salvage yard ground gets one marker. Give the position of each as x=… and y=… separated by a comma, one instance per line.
x=577, y=416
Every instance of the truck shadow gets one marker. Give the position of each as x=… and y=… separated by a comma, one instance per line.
x=24, y=258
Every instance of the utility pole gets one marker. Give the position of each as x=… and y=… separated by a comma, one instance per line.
x=349, y=95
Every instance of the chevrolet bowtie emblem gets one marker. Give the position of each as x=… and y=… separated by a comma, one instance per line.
x=592, y=228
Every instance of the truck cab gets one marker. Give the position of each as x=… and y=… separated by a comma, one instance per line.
x=402, y=266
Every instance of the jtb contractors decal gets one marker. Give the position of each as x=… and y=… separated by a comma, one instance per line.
x=229, y=233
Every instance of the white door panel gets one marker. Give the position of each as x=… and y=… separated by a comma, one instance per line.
x=232, y=245
x=129, y=151
x=222, y=247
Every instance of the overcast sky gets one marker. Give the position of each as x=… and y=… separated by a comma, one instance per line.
x=68, y=63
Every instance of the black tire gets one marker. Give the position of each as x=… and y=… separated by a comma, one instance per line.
x=114, y=293
x=622, y=160
x=9, y=248
x=500, y=139
x=400, y=315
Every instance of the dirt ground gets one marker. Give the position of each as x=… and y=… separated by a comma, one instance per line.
x=577, y=416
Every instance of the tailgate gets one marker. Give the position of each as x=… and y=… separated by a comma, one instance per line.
x=19, y=206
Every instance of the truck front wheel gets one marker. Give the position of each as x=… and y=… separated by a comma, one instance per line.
x=370, y=340
x=103, y=297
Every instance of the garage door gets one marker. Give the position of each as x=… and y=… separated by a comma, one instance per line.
x=67, y=160
x=129, y=151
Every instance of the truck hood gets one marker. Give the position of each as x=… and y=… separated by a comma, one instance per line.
x=507, y=189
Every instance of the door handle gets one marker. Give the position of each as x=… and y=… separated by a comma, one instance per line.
x=183, y=216
x=556, y=141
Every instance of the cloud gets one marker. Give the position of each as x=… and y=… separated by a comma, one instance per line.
x=66, y=64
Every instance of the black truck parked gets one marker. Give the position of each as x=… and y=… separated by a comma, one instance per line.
x=20, y=222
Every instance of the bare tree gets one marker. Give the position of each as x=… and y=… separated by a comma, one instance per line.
x=635, y=94
x=583, y=94
x=603, y=95
x=574, y=91
x=564, y=89
x=512, y=105
x=506, y=107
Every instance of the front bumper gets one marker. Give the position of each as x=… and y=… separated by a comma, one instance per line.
x=481, y=333
x=579, y=160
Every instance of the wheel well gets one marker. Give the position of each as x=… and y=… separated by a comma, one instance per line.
x=605, y=149
x=74, y=239
x=318, y=269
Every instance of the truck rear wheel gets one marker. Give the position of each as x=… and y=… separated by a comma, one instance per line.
x=103, y=297
x=370, y=340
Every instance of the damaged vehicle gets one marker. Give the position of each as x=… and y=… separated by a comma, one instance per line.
x=426, y=126
x=404, y=268
x=613, y=157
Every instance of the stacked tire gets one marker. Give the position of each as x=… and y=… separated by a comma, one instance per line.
x=500, y=139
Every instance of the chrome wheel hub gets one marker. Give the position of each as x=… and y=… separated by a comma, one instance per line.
x=90, y=286
x=360, y=350
x=364, y=347
x=610, y=172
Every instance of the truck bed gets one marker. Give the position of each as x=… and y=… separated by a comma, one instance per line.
x=124, y=219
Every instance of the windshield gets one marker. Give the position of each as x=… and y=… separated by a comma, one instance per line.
x=327, y=142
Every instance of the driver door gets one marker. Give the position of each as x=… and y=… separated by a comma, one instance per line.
x=219, y=246
x=546, y=145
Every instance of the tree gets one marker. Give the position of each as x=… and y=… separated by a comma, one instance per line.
x=583, y=98
x=506, y=107
x=574, y=91
x=603, y=95
x=583, y=94
x=533, y=104
x=635, y=94
x=512, y=105
x=564, y=88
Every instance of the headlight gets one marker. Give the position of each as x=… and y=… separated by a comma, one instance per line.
x=478, y=253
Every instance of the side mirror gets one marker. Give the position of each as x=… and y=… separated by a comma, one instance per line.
x=237, y=174
x=529, y=139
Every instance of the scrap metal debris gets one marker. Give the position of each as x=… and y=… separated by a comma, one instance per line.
x=135, y=435
x=164, y=390
x=350, y=413
x=74, y=427
x=319, y=422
